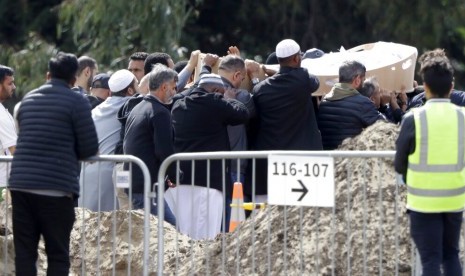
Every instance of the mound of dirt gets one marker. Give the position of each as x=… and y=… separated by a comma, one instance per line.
x=360, y=234
x=366, y=232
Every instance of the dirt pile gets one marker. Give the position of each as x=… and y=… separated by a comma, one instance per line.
x=127, y=228
x=92, y=244
x=362, y=227
x=287, y=240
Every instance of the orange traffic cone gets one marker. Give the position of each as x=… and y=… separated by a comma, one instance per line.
x=237, y=213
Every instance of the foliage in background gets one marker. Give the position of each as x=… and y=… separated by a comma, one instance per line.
x=257, y=26
x=111, y=30
x=30, y=65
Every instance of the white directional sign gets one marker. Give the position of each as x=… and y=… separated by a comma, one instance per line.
x=300, y=180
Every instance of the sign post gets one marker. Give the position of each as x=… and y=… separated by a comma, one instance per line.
x=300, y=180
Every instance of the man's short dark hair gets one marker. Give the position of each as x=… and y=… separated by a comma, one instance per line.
x=369, y=87
x=155, y=58
x=349, y=70
x=85, y=61
x=5, y=71
x=178, y=66
x=139, y=56
x=272, y=59
x=437, y=72
x=63, y=66
x=232, y=63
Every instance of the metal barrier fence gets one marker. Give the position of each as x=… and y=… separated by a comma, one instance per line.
x=99, y=242
x=365, y=233
x=278, y=240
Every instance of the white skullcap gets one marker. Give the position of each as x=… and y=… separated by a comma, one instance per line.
x=287, y=48
x=120, y=80
x=211, y=79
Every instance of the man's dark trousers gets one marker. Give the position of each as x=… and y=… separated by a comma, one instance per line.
x=49, y=216
x=437, y=236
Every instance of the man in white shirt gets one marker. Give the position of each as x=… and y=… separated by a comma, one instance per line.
x=8, y=134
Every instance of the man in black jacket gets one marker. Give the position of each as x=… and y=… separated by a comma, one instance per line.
x=344, y=112
x=200, y=122
x=149, y=134
x=457, y=97
x=56, y=131
x=285, y=114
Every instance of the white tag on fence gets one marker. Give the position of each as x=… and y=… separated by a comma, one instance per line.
x=122, y=179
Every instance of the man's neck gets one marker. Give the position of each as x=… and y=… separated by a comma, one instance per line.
x=157, y=95
x=82, y=85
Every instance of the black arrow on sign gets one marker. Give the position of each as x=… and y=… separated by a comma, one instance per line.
x=304, y=190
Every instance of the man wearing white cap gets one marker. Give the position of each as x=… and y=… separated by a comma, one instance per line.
x=285, y=114
x=97, y=189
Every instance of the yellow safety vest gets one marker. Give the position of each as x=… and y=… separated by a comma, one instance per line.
x=436, y=175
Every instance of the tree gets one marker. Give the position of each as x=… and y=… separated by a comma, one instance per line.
x=30, y=65
x=257, y=26
x=110, y=30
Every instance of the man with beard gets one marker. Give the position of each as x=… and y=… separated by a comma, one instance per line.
x=149, y=134
x=344, y=112
x=86, y=72
x=7, y=125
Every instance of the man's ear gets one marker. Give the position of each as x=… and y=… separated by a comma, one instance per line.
x=371, y=99
x=48, y=76
x=296, y=58
x=164, y=86
x=427, y=91
x=356, y=82
x=451, y=88
x=236, y=75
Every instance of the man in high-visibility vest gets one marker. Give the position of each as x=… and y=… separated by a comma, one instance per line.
x=430, y=156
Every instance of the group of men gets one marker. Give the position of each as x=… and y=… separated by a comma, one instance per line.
x=148, y=111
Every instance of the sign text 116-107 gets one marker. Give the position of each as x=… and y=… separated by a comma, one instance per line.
x=303, y=170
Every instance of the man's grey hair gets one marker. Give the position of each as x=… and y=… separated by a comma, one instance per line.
x=369, y=87
x=159, y=75
x=349, y=70
x=232, y=63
